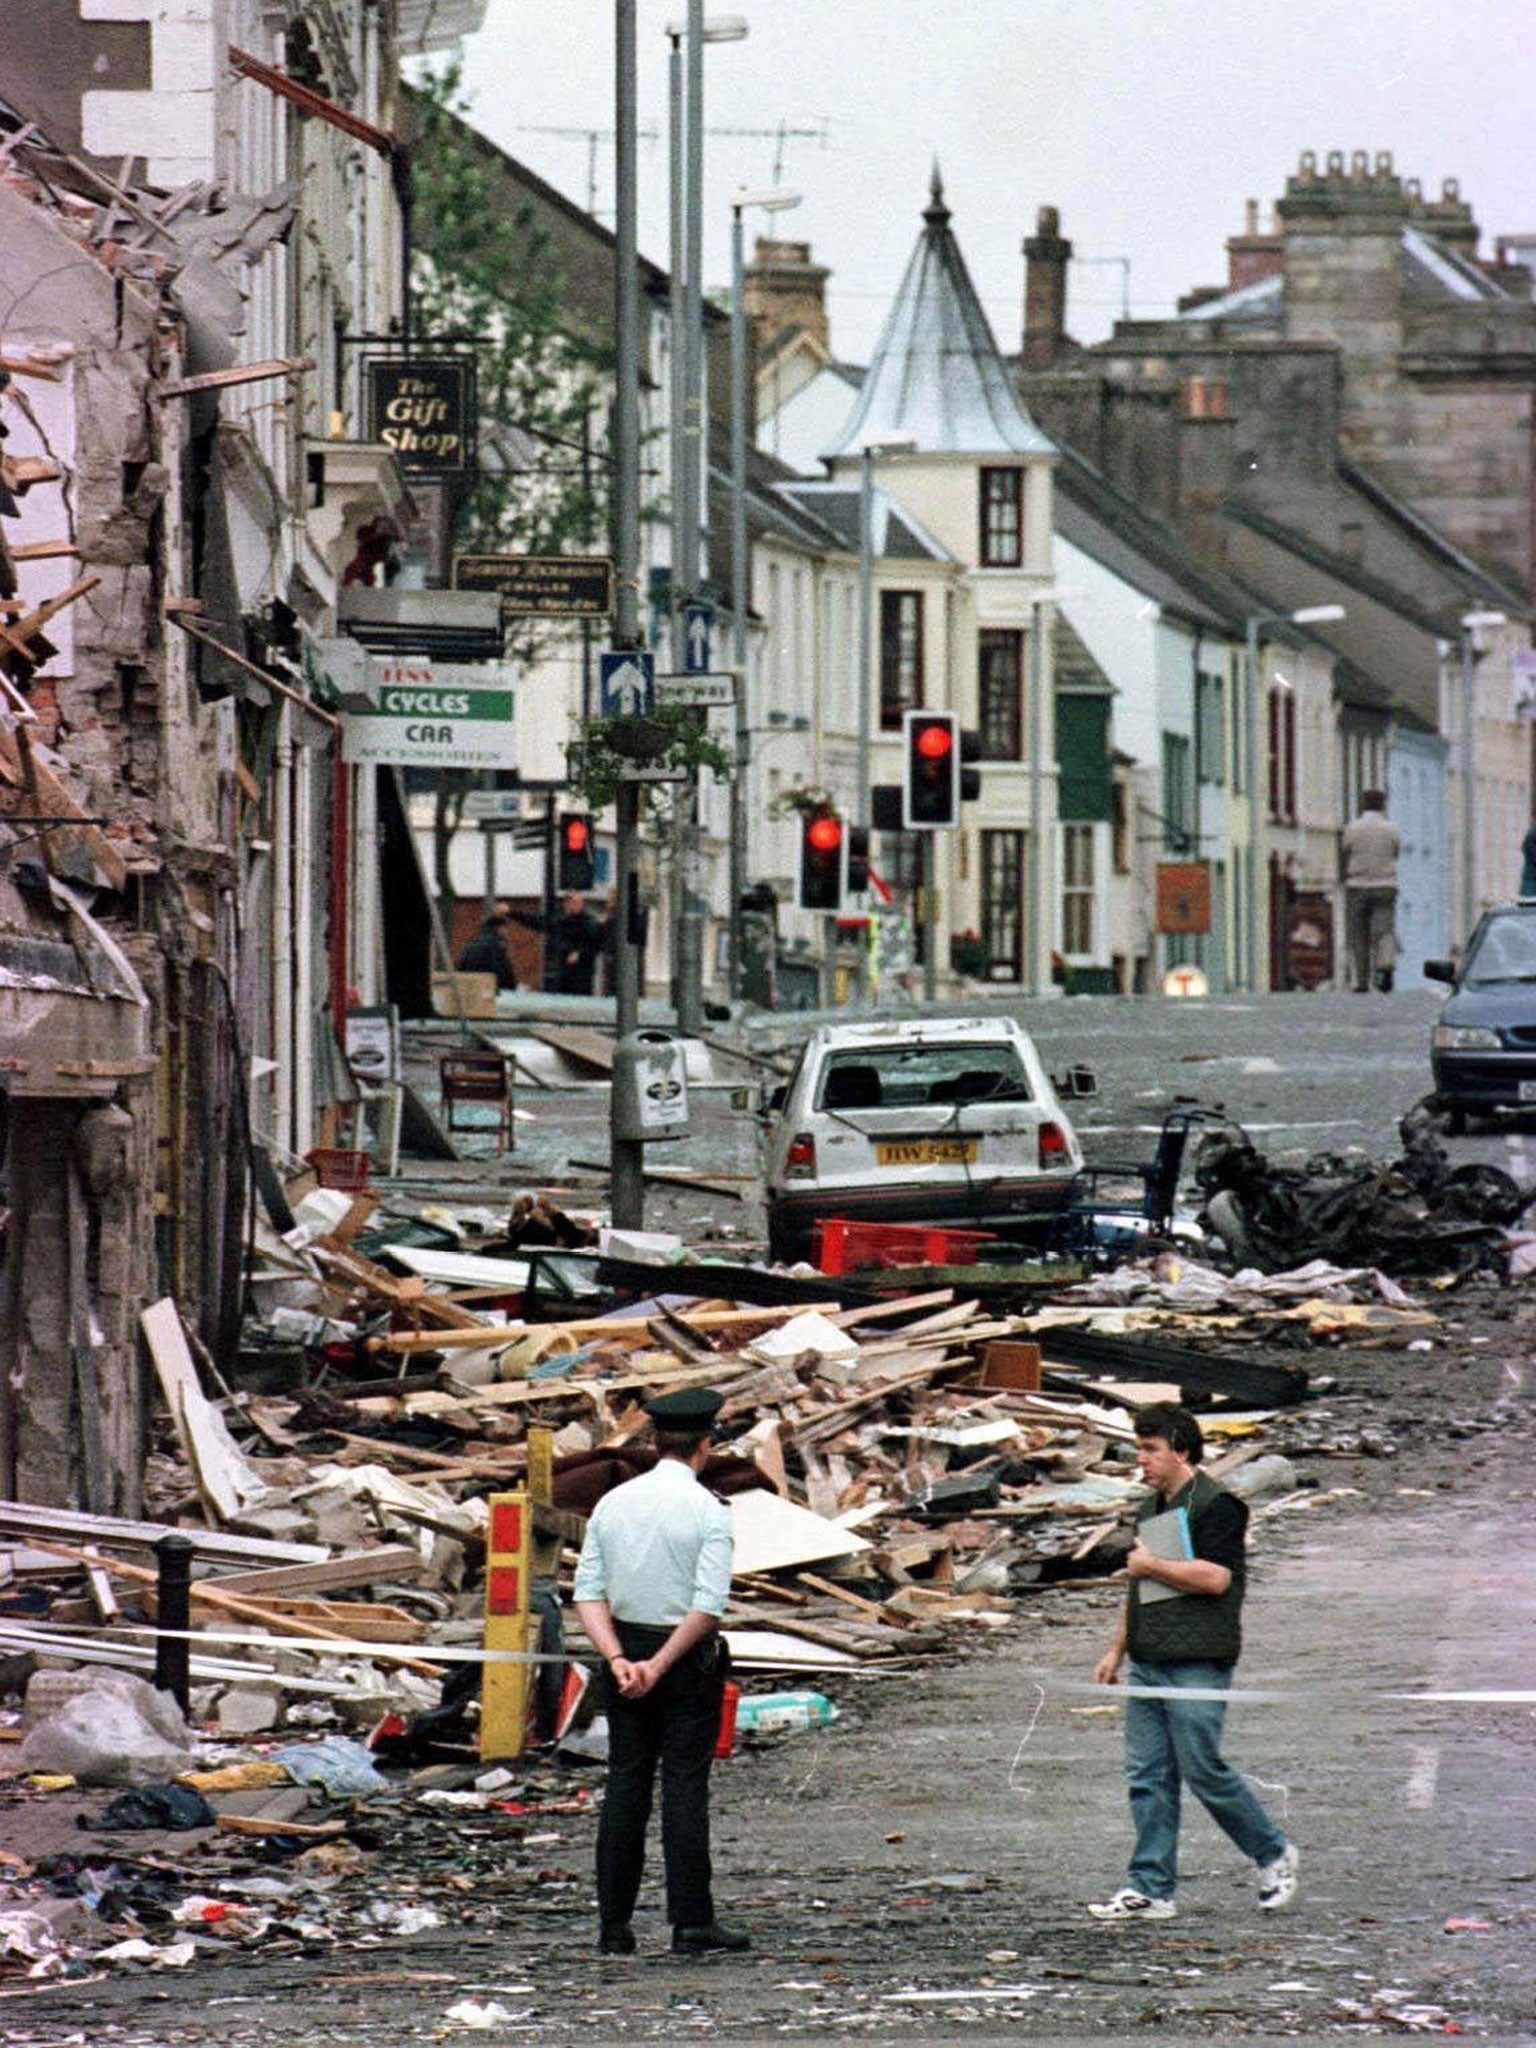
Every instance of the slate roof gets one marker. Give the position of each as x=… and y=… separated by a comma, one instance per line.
x=896, y=535
x=936, y=376
x=1431, y=270
x=1094, y=516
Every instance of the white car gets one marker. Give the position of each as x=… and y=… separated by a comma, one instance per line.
x=940, y=1120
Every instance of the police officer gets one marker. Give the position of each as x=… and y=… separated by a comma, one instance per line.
x=651, y=1586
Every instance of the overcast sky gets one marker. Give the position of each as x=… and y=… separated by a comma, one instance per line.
x=1147, y=122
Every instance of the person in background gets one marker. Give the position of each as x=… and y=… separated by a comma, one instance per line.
x=486, y=952
x=1369, y=850
x=1528, y=861
x=573, y=941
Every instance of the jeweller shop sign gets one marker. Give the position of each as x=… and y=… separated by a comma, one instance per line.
x=418, y=713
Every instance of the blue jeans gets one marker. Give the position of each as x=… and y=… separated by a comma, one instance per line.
x=1171, y=1743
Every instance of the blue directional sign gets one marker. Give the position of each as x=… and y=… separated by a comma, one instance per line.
x=626, y=681
x=698, y=625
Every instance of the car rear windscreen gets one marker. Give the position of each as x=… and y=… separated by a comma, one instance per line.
x=910, y=1076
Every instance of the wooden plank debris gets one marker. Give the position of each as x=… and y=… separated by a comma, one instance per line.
x=227, y=1480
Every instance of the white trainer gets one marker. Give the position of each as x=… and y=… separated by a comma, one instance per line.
x=1133, y=1905
x=1278, y=1880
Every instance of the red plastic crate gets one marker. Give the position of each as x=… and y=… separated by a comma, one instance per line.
x=338, y=1169
x=845, y=1245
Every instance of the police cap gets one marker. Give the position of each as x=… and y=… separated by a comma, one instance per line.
x=689, y=1408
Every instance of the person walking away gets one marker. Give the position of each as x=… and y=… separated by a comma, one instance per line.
x=1528, y=861
x=486, y=952
x=1181, y=1628
x=1369, y=850
x=651, y=1586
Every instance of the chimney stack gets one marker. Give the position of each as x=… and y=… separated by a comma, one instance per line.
x=784, y=288
x=1254, y=254
x=1046, y=256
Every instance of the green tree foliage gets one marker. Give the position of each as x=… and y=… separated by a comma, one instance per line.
x=485, y=268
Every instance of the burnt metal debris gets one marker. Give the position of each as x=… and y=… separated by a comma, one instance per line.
x=1413, y=1214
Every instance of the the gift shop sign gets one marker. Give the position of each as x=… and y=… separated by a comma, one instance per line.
x=433, y=714
x=423, y=407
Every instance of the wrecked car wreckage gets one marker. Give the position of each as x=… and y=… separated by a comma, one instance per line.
x=1414, y=1214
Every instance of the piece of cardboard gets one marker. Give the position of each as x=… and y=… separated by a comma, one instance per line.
x=1011, y=1364
x=464, y=995
x=771, y=1535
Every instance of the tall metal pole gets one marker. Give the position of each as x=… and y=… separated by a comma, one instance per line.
x=678, y=438
x=866, y=629
x=862, y=800
x=690, y=932
x=626, y=1156
x=739, y=592
x=1468, y=849
x=1255, y=809
x=1036, y=889
x=928, y=858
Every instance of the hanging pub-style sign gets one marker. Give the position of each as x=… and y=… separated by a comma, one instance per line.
x=423, y=407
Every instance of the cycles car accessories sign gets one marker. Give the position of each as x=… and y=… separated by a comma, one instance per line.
x=433, y=714
x=423, y=409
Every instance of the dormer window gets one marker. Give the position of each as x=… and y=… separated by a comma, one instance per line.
x=1002, y=518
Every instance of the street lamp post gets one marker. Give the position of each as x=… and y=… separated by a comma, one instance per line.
x=770, y=202
x=869, y=451
x=1471, y=624
x=1308, y=615
x=626, y=1155
x=690, y=470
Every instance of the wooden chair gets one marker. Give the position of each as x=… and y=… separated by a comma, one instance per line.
x=479, y=1077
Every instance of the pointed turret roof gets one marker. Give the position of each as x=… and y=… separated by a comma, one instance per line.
x=937, y=377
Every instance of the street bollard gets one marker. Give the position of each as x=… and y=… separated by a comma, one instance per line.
x=173, y=1610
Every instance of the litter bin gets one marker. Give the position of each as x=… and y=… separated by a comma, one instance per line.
x=650, y=1087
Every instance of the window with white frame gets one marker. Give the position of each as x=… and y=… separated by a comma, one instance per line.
x=1077, y=891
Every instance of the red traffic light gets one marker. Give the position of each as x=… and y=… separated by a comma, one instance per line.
x=825, y=834
x=577, y=834
x=933, y=742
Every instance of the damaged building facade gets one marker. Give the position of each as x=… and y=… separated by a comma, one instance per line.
x=197, y=219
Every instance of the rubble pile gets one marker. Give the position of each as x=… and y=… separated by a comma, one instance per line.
x=906, y=1462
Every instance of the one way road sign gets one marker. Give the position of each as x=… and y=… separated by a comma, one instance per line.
x=698, y=622
x=626, y=682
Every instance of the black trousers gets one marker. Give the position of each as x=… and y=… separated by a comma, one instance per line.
x=675, y=1726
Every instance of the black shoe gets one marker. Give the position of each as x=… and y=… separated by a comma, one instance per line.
x=699, y=1941
x=617, y=1940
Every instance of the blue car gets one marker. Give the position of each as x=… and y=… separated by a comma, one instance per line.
x=1483, y=1049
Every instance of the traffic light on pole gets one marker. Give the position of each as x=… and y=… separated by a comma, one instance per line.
x=858, y=859
x=930, y=771
x=576, y=868
x=823, y=861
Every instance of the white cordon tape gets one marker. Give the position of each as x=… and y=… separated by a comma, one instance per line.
x=345, y=1646
x=428, y=1653
x=1243, y=1694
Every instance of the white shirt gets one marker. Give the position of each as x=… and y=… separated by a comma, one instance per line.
x=1370, y=852
x=656, y=1548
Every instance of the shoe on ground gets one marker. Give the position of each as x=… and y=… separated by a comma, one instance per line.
x=702, y=1941
x=1128, y=1904
x=617, y=1940
x=1278, y=1880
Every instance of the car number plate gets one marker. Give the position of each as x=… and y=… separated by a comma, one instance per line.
x=926, y=1152
x=1528, y=1091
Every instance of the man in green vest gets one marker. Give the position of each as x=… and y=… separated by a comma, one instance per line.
x=1181, y=1628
